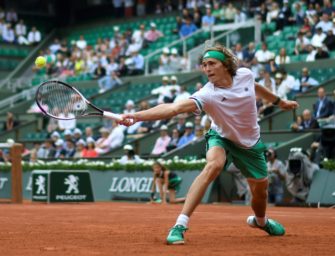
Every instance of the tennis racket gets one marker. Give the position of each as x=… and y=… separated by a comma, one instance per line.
x=59, y=100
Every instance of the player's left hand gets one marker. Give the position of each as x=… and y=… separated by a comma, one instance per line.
x=288, y=104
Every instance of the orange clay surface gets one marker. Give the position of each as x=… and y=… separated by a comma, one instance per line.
x=110, y=228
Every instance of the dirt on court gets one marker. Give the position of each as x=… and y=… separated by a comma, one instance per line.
x=111, y=228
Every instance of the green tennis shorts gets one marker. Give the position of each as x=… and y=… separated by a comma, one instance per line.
x=251, y=161
x=174, y=183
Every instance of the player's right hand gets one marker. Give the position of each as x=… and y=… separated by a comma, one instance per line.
x=127, y=119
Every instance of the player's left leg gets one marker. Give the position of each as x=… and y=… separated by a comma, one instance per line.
x=259, y=193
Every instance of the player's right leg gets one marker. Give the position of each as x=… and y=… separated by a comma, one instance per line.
x=216, y=158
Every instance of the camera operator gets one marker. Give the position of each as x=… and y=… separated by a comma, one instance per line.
x=277, y=172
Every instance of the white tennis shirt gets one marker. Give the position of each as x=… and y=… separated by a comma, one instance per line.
x=232, y=110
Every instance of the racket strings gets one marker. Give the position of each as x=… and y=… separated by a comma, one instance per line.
x=61, y=101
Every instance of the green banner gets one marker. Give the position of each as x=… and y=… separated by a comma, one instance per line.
x=70, y=186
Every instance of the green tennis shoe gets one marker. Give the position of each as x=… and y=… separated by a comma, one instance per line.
x=176, y=235
x=273, y=228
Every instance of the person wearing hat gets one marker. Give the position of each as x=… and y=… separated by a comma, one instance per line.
x=130, y=157
x=229, y=99
x=153, y=34
x=77, y=134
x=162, y=91
x=129, y=107
x=162, y=141
x=187, y=136
x=164, y=62
x=89, y=151
x=175, y=61
x=102, y=144
x=80, y=146
x=168, y=184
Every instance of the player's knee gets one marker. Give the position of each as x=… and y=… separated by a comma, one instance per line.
x=260, y=193
x=212, y=170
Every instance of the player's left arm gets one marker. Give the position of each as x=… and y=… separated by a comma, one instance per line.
x=264, y=93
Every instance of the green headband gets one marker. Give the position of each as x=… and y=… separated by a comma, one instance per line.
x=215, y=55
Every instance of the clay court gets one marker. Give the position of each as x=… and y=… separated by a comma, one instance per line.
x=126, y=229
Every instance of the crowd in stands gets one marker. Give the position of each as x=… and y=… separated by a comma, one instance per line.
x=14, y=30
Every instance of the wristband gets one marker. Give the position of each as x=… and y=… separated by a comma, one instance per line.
x=276, y=102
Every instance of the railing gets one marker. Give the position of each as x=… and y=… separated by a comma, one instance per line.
x=24, y=95
x=195, y=52
x=232, y=30
x=13, y=83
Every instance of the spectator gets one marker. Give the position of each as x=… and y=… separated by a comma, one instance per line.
x=46, y=150
x=174, y=140
x=240, y=16
x=164, y=91
x=164, y=62
x=81, y=43
x=321, y=53
x=55, y=46
x=130, y=157
x=287, y=84
x=11, y=16
x=282, y=58
x=77, y=133
x=80, y=146
x=329, y=41
x=136, y=64
x=267, y=81
x=89, y=152
x=187, y=136
x=284, y=16
x=182, y=94
x=301, y=44
x=265, y=109
x=67, y=124
x=318, y=38
x=10, y=122
x=305, y=81
x=34, y=36
x=153, y=34
x=307, y=122
x=181, y=121
x=58, y=148
x=277, y=173
x=249, y=54
x=187, y=28
x=8, y=34
x=139, y=36
x=229, y=13
x=99, y=71
x=323, y=106
x=273, y=13
x=199, y=134
x=175, y=61
x=102, y=145
x=109, y=82
x=162, y=142
x=207, y=20
x=20, y=29
x=324, y=24
x=263, y=55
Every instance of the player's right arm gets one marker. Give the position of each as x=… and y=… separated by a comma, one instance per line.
x=160, y=112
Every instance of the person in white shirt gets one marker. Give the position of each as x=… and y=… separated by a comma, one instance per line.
x=66, y=124
x=229, y=98
x=318, y=37
x=130, y=157
x=81, y=43
x=162, y=141
x=34, y=36
x=263, y=55
x=8, y=34
x=20, y=29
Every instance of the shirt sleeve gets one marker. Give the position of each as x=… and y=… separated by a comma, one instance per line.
x=201, y=99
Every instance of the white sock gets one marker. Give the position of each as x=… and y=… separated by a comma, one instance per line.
x=182, y=220
x=261, y=221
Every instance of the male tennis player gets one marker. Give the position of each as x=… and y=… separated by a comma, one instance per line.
x=229, y=99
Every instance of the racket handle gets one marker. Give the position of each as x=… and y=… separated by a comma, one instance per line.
x=111, y=115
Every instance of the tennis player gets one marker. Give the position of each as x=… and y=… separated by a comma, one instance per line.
x=229, y=99
x=167, y=182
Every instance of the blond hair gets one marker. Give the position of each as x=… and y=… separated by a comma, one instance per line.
x=230, y=62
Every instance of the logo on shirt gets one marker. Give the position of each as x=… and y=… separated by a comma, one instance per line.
x=223, y=98
x=246, y=89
